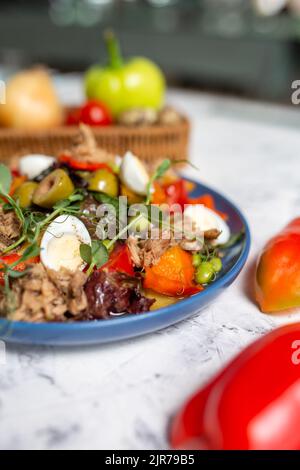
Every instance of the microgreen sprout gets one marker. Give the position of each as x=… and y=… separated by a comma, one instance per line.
x=95, y=255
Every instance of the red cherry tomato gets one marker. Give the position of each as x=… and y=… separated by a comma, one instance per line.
x=95, y=113
x=176, y=193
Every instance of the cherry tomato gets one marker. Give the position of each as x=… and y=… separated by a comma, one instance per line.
x=176, y=193
x=73, y=117
x=95, y=113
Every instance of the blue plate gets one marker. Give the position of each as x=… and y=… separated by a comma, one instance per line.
x=129, y=326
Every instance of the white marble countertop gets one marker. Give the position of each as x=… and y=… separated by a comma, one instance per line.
x=122, y=396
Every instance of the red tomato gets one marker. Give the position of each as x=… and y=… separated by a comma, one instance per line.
x=95, y=113
x=277, y=280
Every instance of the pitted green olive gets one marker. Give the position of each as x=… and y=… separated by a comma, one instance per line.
x=24, y=194
x=55, y=187
x=104, y=181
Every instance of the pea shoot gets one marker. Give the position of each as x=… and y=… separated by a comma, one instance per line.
x=95, y=255
x=33, y=222
x=207, y=266
x=159, y=173
x=10, y=273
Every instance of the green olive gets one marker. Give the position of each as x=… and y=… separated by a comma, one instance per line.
x=24, y=194
x=104, y=181
x=55, y=187
x=216, y=264
x=205, y=273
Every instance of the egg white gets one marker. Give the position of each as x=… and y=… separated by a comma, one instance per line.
x=134, y=174
x=204, y=219
x=71, y=228
x=33, y=165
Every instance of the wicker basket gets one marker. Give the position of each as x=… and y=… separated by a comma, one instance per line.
x=149, y=143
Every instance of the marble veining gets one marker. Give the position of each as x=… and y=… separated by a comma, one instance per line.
x=122, y=396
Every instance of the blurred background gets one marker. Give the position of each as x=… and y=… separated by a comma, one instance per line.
x=242, y=47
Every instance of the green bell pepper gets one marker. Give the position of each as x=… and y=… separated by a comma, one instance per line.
x=137, y=83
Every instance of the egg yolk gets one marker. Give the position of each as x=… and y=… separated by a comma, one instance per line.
x=64, y=252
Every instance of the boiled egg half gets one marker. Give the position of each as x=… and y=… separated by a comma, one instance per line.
x=204, y=219
x=34, y=164
x=134, y=174
x=60, y=246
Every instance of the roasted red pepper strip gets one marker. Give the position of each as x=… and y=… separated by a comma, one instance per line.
x=253, y=404
x=120, y=260
x=277, y=282
x=13, y=258
x=83, y=166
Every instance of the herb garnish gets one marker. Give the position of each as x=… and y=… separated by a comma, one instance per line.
x=95, y=255
x=233, y=240
x=107, y=200
x=32, y=222
x=9, y=273
x=5, y=184
x=159, y=173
